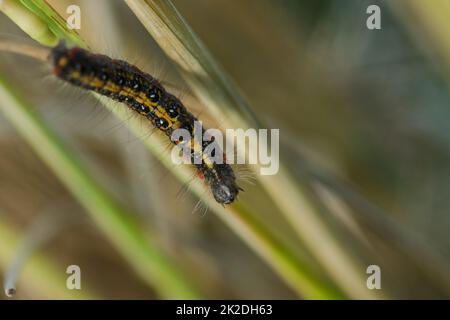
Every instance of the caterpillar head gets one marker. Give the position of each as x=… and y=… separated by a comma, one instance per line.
x=225, y=192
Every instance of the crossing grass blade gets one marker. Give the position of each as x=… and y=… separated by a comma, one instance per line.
x=118, y=225
x=39, y=272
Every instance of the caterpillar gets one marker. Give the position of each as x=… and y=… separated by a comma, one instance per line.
x=125, y=83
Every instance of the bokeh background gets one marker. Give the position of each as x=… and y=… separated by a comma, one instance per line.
x=363, y=118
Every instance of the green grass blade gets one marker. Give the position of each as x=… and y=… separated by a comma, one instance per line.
x=147, y=260
x=54, y=21
x=30, y=23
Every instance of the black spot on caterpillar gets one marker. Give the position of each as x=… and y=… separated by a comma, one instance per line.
x=143, y=94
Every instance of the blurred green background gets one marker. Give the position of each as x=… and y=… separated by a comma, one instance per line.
x=363, y=118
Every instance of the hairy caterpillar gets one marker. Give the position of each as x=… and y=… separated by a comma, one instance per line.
x=143, y=94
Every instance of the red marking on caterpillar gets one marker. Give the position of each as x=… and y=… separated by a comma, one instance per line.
x=200, y=175
x=143, y=94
